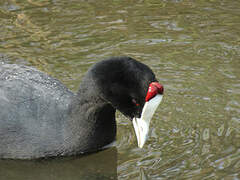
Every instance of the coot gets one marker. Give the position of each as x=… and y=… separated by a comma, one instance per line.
x=40, y=117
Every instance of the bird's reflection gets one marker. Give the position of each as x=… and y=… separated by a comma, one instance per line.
x=101, y=165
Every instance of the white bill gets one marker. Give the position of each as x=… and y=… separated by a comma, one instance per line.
x=141, y=125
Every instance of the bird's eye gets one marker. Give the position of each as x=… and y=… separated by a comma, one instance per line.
x=135, y=102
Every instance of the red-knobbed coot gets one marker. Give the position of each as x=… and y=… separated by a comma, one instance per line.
x=40, y=117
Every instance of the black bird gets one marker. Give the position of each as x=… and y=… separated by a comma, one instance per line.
x=40, y=117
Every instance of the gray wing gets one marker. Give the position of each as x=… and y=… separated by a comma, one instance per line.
x=33, y=107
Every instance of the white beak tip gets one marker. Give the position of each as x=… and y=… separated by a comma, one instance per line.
x=141, y=125
x=141, y=146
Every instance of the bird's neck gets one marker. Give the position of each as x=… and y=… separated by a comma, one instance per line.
x=91, y=124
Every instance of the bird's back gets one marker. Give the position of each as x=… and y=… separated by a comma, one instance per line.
x=33, y=107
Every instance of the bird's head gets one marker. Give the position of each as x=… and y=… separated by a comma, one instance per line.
x=132, y=88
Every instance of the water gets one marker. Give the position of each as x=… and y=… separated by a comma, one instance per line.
x=192, y=46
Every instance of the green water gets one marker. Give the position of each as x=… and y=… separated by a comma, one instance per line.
x=192, y=46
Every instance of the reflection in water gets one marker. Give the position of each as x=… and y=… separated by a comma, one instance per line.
x=101, y=165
